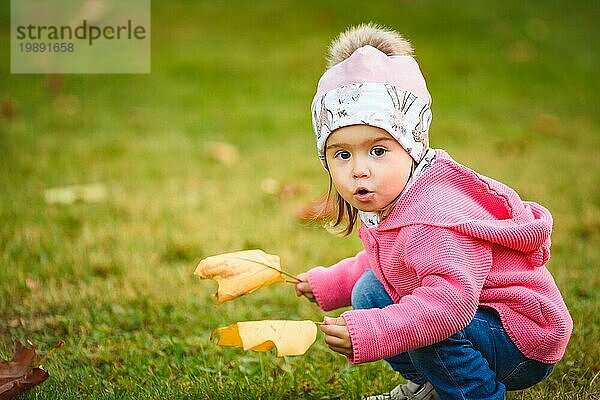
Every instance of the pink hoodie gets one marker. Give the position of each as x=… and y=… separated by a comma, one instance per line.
x=455, y=241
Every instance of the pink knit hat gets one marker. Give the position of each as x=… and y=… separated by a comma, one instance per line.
x=370, y=65
x=372, y=88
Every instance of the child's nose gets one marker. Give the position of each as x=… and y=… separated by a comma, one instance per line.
x=360, y=170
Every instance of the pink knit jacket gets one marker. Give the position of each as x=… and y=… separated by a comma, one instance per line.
x=455, y=241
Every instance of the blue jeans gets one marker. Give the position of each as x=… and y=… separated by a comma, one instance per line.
x=478, y=362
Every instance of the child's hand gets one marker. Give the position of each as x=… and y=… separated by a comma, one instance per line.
x=337, y=336
x=303, y=287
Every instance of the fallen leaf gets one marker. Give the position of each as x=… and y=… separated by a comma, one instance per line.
x=22, y=372
x=271, y=186
x=240, y=272
x=54, y=83
x=547, y=124
x=31, y=283
x=67, y=105
x=511, y=147
x=91, y=193
x=224, y=153
x=13, y=323
x=288, y=190
x=521, y=52
x=291, y=338
x=9, y=109
x=292, y=190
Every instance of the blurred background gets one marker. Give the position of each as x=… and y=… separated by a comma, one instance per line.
x=113, y=187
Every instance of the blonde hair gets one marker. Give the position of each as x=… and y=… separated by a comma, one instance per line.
x=387, y=41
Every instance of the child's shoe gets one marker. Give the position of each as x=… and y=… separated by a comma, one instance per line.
x=409, y=391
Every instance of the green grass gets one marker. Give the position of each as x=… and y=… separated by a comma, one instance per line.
x=515, y=89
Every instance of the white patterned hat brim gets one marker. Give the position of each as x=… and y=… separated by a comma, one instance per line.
x=401, y=113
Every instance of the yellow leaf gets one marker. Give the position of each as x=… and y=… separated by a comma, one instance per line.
x=240, y=272
x=291, y=338
x=224, y=153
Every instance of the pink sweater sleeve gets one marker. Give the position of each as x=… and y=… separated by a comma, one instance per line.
x=452, y=269
x=332, y=286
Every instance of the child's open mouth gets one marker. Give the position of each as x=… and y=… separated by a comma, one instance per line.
x=363, y=194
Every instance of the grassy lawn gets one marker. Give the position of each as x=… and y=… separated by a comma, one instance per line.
x=515, y=88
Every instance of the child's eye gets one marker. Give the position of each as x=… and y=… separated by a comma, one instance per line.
x=378, y=151
x=342, y=155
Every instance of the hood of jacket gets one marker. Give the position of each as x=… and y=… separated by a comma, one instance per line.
x=453, y=196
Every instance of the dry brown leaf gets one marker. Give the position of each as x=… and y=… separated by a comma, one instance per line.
x=547, y=124
x=291, y=338
x=22, y=372
x=9, y=109
x=54, y=83
x=240, y=272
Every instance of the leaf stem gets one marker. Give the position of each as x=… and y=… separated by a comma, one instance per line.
x=291, y=276
x=58, y=344
x=296, y=280
x=274, y=269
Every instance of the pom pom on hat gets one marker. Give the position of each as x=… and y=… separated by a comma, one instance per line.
x=387, y=41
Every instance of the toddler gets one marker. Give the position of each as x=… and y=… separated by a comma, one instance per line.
x=451, y=288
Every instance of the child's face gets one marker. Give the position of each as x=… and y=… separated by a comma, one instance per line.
x=368, y=167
